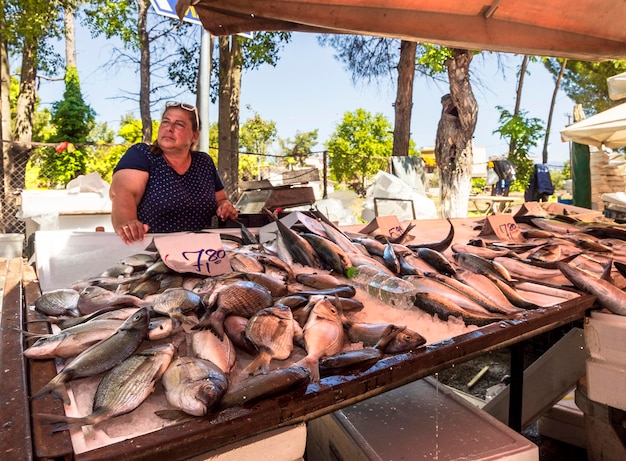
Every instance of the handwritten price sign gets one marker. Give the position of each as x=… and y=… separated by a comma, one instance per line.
x=194, y=253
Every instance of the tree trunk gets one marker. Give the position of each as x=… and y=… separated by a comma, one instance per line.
x=144, y=71
x=5, y=106
x=518, y=96
x=70, y=37
x=14, y=163
x=228, y=114
x=453, y=146
x=557, y=85
x=404, y=98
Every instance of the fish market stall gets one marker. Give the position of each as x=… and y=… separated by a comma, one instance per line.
x=141, y=434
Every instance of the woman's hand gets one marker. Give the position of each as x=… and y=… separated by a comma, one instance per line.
x=132, y=231
x=226, y=210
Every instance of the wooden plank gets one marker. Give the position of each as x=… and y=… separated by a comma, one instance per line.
x=15, y=435
x=46, y=444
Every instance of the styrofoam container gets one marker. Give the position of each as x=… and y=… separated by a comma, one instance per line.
x=606, y=383
x=421, y=420
x=605, y=337
x=11, y=245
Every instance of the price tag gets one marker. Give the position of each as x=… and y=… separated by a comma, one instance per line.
x=387, y=225
x=194, y=253
x=503, y=226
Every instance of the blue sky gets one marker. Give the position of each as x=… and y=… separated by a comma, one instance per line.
x=309, y=89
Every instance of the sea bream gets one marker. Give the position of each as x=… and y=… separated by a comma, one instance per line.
x=123, y=388
x=102, y=356
x=194, y=385
x=323, y=336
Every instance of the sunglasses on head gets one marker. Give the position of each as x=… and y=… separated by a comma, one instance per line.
x=187, y=107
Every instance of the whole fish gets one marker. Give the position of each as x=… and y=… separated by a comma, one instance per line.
x=242, y=298
x=107, y=313
x=437, y=260
x=319, y=281
x=63, y=301
x=346, y=304
x=176, y=303
x=124, y=387
x=94, y=298
x=336, y=235
x=72, y=341
x=373, y=246
x=370, y=334
x=484, y=252
x=271, y=260
x=523, y=270
x=441, y=307
x=512, y=294
x=194, y=385
x=242, y=262
x=139, y=261
x=258, y=387
x=608, y=295
x=207, y=346
x=102, y=356
x=482, y=265
x=555, y=226
x=299, y=248
x=390, y=258
x=271, y=330
x=117, y=270
x=331, y=255
x=323, y=336
x=143, y=288
x=425, y=285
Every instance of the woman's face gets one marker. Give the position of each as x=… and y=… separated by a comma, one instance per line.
x=176, y=130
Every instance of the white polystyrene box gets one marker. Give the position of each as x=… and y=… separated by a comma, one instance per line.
x=606, y=383
x=421, y=420
x=605, y=337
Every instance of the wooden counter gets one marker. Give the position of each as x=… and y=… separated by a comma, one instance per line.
x=200, y=435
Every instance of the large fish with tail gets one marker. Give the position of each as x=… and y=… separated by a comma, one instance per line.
x=242, y=298
x=102, y=356
x=608, y=295
x=72, y=341
x=299, y=248
x=331, y=255
x=440, y=306
x=61, y=302
x=194, y=385
x=271, y=330
x=370, y=334
x=437, y=246
x=437, y=260
x=481, y=265
x=257, y=387
x=94, y=298
x=176, y=303
x=123, y=388
x=323, y=336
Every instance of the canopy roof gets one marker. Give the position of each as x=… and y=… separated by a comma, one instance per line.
x=606, y=128
x=580, y=29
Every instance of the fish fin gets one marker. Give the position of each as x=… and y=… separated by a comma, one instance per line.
x=55, y=387
x=606, y=271
x=311, y=364
x=59, y=422
x=172, y=415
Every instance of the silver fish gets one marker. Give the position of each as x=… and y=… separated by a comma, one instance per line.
x=482, y=265
x=63, y=301
x=176, y=303
x=72, y=341
x=193, y=385
x=94, y=298
x=331, y=255
x=124, y=387
x=102, y=356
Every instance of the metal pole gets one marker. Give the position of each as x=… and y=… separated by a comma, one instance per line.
x=204, y=89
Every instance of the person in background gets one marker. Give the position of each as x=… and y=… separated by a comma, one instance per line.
x=167, y=186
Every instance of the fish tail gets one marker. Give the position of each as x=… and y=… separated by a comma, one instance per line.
x=311, y=364
x=60, y=422
x=56, y=388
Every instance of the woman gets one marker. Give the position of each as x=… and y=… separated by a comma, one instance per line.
x=168, y=187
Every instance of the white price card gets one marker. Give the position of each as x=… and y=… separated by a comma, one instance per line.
x=200, y=253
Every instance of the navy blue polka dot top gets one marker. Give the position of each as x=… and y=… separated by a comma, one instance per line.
x=173, y=202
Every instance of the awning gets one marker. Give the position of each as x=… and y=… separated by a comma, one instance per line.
x=582, y=29
x=617, y=86
x=607, y=128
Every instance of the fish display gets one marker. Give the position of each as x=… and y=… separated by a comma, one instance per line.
x=288, y=316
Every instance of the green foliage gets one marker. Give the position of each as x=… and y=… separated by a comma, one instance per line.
x=585, y=82
x=298, y=150
x=478, y=185
x=359, y=147
x=256, y=135
x=432, y=60
x=73, y=120
x=525, y=132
